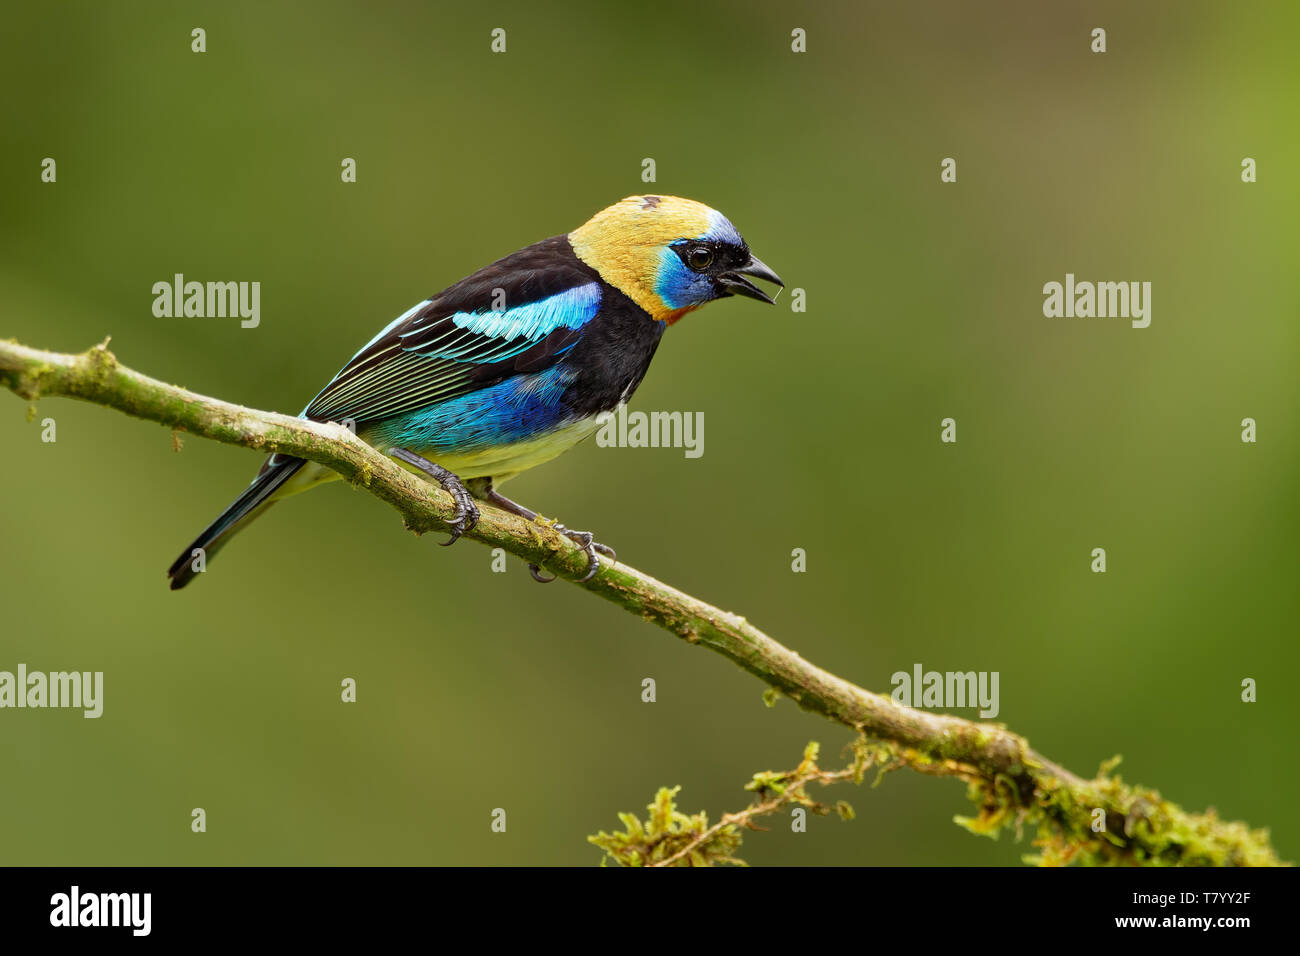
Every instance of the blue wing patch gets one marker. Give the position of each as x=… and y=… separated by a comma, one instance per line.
x=571, y=309
x=422, y=358
x=514, y=329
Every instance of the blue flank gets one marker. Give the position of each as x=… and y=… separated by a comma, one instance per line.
x=517, y=409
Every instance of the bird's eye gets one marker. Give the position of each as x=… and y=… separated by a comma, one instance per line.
x=701, y=257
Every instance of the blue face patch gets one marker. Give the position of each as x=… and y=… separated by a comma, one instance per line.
x=681, y=287
x=678, y=286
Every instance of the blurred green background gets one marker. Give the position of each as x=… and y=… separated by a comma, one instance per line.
x=480, y=690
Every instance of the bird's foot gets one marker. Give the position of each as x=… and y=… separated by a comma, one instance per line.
x=591, y=547
x=467, y=513
x=583, y=539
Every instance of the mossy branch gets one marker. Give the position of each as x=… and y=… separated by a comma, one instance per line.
x=1009, y=782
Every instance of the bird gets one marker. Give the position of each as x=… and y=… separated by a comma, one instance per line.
x=515, y=364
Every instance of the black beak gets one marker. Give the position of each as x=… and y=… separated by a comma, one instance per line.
x=735, y=283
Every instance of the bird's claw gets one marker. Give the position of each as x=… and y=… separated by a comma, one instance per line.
x=466, y=519
x=467, y=513
x=591, y=547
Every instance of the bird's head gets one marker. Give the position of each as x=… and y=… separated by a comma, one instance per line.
x=669, y=255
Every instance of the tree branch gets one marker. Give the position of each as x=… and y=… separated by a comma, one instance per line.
x=1010, y=783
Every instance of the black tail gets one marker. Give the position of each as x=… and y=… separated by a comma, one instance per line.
x=243, y=509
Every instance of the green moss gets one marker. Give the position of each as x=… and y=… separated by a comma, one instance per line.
x=31, y=384
x=99, y=365
x=667, y=832
x=689, y=841
x=1134, y=826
